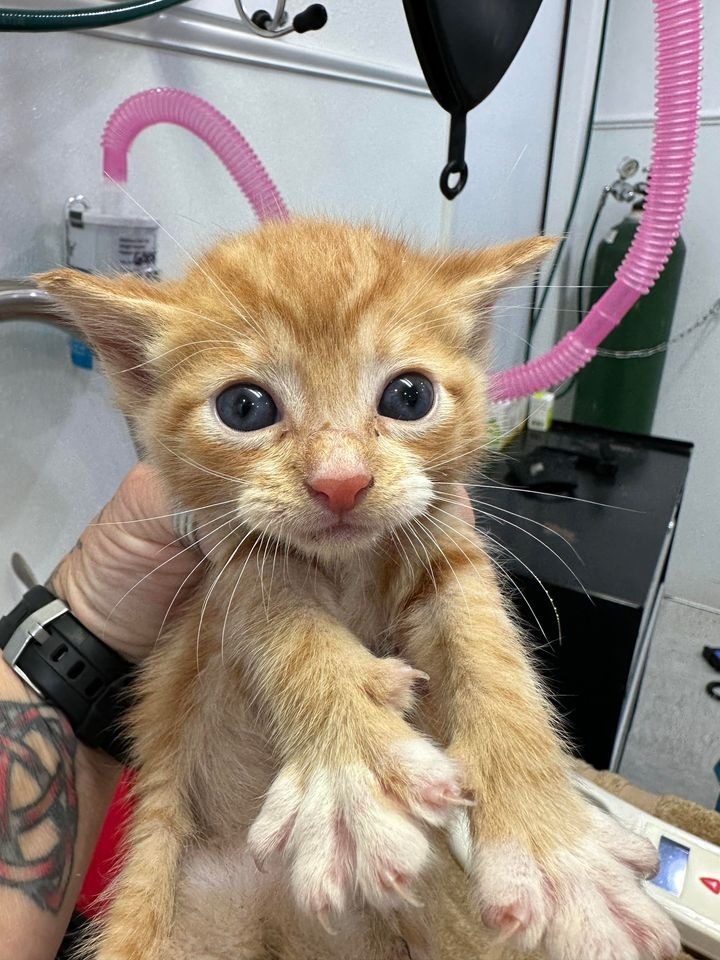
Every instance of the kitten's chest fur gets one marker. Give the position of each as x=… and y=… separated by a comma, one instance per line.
x=368, y=604
x=232, y=757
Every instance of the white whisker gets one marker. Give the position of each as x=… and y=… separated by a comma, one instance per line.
x=456, y=498
x=433, y=520
x=532, y=573
x=199, y=466
x=400, y=546
x=180, y=346
x=234, y=304
x=214, y=584
x=203, y=558
x=195, y=528
x=230, y=601
x=409, y=530
x=539, y=493
x=161, y=516
x=532, y=535
x=127, y=593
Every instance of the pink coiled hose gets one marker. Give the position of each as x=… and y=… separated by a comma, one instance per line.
x=677, y=105
x=167, y=105
x=678, y=32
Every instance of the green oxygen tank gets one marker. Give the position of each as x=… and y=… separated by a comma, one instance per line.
x=620, y=393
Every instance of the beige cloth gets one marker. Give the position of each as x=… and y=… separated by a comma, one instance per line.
x=681, y=813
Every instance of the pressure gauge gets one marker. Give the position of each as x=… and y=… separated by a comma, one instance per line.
x=627, y=168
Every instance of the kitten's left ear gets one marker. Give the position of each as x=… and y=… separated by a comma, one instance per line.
x=481, y=276
x=120, y=317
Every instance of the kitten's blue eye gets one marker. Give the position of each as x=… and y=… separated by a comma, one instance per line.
x=407, y=397
x=246, y=407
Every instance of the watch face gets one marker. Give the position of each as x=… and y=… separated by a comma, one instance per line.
x=674, y=858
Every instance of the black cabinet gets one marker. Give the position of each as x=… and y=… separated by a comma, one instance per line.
x=580, y=522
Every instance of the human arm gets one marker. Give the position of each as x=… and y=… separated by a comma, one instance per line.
x=55, y=791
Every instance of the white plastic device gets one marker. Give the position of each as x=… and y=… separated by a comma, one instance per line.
x=103, y=243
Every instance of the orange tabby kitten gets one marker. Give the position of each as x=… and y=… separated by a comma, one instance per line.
x=314, y=392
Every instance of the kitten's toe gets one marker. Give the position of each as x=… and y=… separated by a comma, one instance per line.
x=397, y=884
x=511, y=893
x=344, y=839
x=586, y=928
x=392, y=852
x=271, y=831
x=429, y=782
x=634, y=851
x=584, y=900
x=396, y=684
x=601, y=911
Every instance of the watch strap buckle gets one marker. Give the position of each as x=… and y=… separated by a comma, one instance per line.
x=32, y=628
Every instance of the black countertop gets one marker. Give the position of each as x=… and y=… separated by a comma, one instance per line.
x=608, y=532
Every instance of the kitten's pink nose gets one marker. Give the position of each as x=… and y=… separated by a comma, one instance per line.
x=340, y=493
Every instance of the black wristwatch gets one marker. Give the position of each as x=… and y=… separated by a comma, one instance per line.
x=68, y=666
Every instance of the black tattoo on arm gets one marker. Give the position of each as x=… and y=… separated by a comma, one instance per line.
x=38, y=802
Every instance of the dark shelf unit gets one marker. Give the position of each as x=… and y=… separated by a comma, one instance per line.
x=598, y=560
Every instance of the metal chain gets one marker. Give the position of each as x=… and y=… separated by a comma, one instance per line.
x=712, y=314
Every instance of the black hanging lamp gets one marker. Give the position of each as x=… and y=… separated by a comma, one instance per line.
x=464, y=48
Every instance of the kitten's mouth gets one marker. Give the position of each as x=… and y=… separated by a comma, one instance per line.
x=342, y=529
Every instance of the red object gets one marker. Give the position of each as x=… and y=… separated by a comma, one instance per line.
x=712, y=883
x=107, y=858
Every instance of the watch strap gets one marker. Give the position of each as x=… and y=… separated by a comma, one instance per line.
x=70, y=667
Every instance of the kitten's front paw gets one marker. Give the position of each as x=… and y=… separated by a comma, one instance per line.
x=581, y=901
x=350, y=830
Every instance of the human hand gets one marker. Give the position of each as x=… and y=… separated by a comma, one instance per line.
x=458, y=502
x=126, y=569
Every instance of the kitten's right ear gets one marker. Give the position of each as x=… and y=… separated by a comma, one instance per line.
x=118, y=316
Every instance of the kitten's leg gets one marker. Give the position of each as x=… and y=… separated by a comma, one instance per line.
x=547, y=868
x=138, y=922
x=357, y=785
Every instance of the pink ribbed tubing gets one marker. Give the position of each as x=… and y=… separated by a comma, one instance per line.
x=678, y=26
x=166, y=105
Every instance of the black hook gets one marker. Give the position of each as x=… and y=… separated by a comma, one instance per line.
x=456, y=164
x=314, y=18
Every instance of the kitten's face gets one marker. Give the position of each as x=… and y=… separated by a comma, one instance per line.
x=316, y=380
